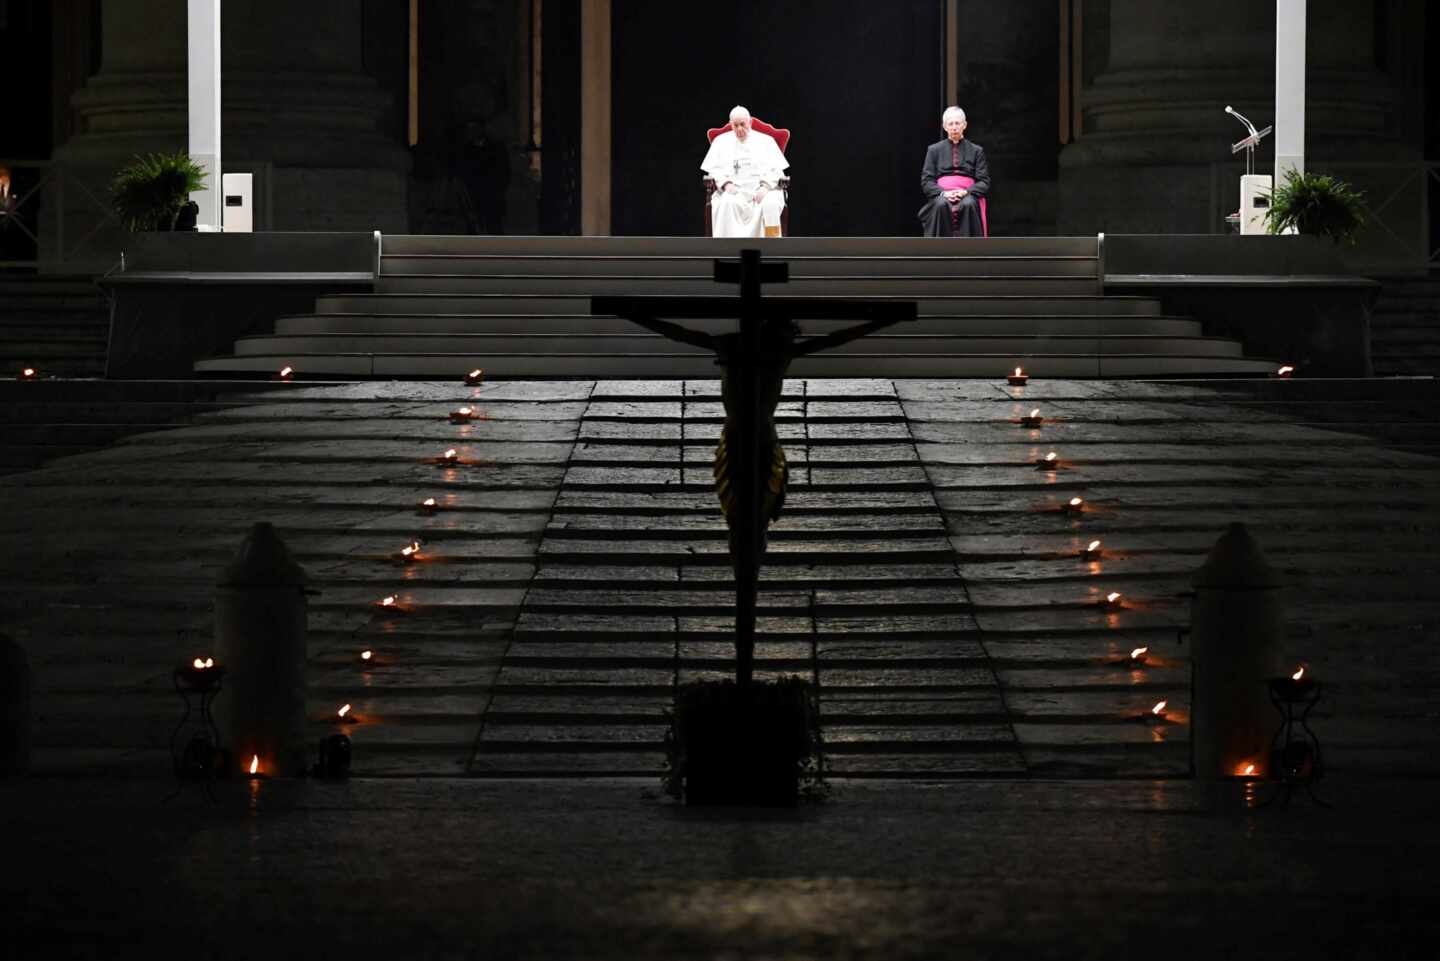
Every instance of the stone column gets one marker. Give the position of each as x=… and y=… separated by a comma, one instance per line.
x=297, y=109
x=1006, y=82
x=1153, y=121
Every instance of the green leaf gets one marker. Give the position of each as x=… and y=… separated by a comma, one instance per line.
x=1318, y=205
x=148, y=192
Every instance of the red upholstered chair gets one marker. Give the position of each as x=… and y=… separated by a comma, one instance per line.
x=782, y=139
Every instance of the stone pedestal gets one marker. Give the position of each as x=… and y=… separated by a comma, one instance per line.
x=298, y=111
x=1153, y=154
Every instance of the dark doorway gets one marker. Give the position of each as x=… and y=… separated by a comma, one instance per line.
x=858, y=83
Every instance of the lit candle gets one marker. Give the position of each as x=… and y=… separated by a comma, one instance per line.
x=449, y=459
x=29, y=373
x=389, y=602
x=410, y=552
x=345, y=716
x=1247, y=769
x=285, y=373
x=476, y=376
x=1049, y=462
x=1113, y=599
x=1032, y=419
x=1138, y=655
x=1158, y=711
x=1075, y=505
x=1091, y=551
x=204, y=663
x=367, y=656
x=462, y=415
x=254, y=765
x=1298, y=674
x=427, y=506
x=1285, y=370
x=1018, y=378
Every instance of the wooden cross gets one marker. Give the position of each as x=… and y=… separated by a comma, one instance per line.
x=766, y=339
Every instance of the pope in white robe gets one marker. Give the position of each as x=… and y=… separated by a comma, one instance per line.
x=746, y=166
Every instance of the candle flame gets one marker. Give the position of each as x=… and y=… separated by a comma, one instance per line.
x=1019, y=372
x=1298, y=674
x=209, y=662
x=345, y=710
x=475, y=373
x=1159, y=708
x=1050, y=457
x=1285, y=370
x=465, y=411
x=388, y=600
x=1248, y=771
x=255, y=764
x=1112, y=597
x=366, y=655
x=1076, y=501
x=286, y=371
x=1035, y=412
x=428, y=502
x=1138, y=653
x=1092, y=547
x=452, y=454
x=28, y=372
x=199, y=664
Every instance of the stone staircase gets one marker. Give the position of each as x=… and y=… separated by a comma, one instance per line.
x=1405, y=327
x=57, y=325
x=520, y=307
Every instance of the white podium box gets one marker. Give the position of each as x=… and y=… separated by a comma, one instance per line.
x=1254, y=203
x=238, y=202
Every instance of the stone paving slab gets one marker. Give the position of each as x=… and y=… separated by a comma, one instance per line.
x=1344, y=513
x=404, y=411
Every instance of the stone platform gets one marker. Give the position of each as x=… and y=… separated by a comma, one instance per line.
x=922, y=572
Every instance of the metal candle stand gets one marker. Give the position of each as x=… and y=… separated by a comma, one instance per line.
x=1295, y=758
x=197, y=760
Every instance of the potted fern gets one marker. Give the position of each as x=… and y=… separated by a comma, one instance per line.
x=152, y=192
x=1318, y=205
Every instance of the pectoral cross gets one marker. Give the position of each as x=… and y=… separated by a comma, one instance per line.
x=737, y=166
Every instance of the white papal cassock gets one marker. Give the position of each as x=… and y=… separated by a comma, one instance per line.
x=748, y=164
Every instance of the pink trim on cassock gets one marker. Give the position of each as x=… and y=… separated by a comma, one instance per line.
x=962, y=182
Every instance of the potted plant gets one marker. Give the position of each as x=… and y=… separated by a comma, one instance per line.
x=1318, y=205
x=152, y=192
x=750, y=744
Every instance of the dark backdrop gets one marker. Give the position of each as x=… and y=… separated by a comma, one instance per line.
x=859, y=84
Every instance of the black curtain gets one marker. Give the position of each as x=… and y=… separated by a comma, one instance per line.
x=858, y=83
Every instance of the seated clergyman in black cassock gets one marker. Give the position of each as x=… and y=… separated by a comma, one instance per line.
x=955, y=180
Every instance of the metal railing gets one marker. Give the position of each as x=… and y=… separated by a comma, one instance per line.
x=24, y=207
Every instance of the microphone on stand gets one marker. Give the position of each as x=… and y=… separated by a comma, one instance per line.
x=1241, y=117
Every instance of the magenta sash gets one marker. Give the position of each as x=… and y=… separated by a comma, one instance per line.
x=962, y=182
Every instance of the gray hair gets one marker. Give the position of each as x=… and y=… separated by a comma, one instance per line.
x=739, y=113
x=951, y=112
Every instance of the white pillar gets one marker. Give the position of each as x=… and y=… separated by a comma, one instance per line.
x=1289, y=88
x=203, y=29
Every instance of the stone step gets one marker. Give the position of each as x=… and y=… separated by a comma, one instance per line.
x=57, y=284
x=566, y=246
x=574, y=343
x=583, y=324
x=603, y=265
x=504, y=366
x=1085, y=304
x=897, y=287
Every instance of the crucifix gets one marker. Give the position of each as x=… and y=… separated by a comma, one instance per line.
x=750, y=472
